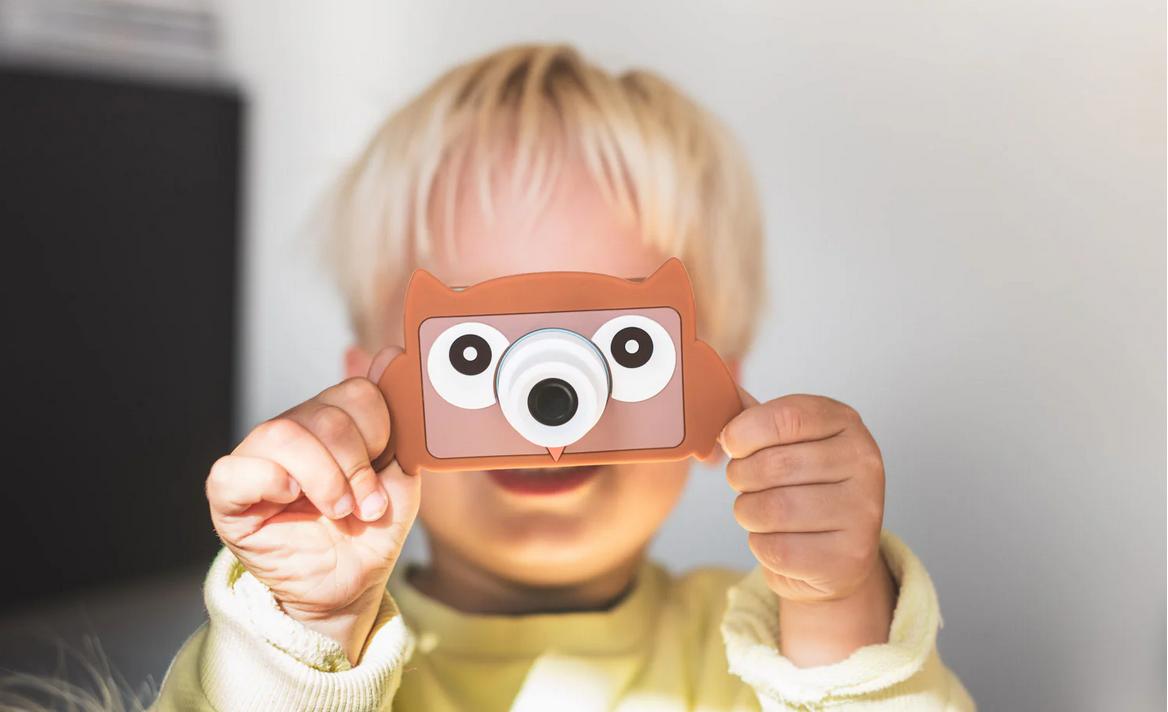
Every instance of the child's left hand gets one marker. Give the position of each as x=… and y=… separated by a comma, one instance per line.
x=812, y=494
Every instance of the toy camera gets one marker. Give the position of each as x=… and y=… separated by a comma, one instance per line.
x=574, y=368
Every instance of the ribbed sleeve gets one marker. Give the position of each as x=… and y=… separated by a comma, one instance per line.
x=254, y=657
x=657, y=650
x=903, y=674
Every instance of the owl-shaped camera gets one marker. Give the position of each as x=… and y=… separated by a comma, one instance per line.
x=568, y=368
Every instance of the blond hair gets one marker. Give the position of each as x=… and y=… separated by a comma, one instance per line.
x=653, y=152
x=85, y=681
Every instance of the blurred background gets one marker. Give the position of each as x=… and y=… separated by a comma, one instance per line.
x=966, y=220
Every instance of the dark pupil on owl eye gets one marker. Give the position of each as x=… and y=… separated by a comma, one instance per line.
x=632, y=347
x=470, y=355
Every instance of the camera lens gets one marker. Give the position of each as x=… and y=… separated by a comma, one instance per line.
x=552, y=401
x=552, y=386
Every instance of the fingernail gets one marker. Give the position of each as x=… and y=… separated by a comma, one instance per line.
x=294, y=488
x=344, y=507
x=372, y=507
x=722, y=442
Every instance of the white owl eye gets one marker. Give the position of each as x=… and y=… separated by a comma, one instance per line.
x=461, y=364
x=640, y=354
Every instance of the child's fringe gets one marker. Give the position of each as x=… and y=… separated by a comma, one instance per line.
x=100, y=688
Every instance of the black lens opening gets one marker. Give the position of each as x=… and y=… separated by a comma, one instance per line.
x=552, y=402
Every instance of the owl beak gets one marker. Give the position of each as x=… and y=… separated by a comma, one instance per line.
x=555, y=452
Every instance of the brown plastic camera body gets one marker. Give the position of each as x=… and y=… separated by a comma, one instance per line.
x=554, y=368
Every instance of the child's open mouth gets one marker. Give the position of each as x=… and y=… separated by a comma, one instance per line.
x=544, y=480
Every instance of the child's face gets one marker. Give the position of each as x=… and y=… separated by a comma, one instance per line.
x=558, y=526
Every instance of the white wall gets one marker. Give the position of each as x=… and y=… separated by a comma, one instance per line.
x=966, y=217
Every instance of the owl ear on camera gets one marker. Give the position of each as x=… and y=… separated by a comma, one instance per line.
x=670, y=283
x=427, y=291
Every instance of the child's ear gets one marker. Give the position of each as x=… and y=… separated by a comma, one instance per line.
x=357, y=361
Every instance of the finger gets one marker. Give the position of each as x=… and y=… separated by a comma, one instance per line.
x=821, y=461
x=748, y=401
x=362, y=401
x=397, y=521
x=338, y=432
x=237, y=483
x=381, y=362
x=715, y=456
x=783, y=421
x=816, y=559
x=799, y=508
x=404, y=493
x=802, y=555
x=290, y=445
x=712, y=459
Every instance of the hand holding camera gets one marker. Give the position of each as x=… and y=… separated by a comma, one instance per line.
x=301, y=506
x=811, y=484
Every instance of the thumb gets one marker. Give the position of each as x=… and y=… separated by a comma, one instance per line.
x=381, y=361
x=748, y=401
x=377, y=368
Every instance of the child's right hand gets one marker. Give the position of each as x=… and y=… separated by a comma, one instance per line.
x=300, y=506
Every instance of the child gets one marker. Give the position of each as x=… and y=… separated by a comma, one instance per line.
x=538, y=595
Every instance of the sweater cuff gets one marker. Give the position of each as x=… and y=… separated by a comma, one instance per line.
x=750, y=629
x=256, y=657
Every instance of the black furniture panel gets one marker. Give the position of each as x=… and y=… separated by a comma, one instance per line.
x=119, y=205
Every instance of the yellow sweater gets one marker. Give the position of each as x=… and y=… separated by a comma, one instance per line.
x=707, y=641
